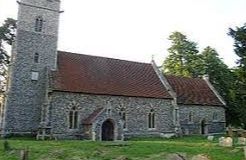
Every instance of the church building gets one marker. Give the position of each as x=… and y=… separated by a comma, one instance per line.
x=66, y=95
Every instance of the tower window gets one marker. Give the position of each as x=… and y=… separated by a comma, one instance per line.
x=36, y=58
x=151, y=119
x=39, y=24
x=73, y=118
x=122, y=114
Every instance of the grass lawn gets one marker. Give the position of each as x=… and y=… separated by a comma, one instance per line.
x=135, y=149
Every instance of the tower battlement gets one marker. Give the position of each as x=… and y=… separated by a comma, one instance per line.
x=45, y=4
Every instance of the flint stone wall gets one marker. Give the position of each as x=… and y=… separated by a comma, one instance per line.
x=200, y=113
x=137, y=110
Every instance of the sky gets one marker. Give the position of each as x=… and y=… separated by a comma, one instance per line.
x=137, y=29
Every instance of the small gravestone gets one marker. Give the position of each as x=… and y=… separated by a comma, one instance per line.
x=241, y=141
x=210, y=138
x=200, y=157
x=225, y=142
x=228, y=142
x=221, y=140
x=230, y=132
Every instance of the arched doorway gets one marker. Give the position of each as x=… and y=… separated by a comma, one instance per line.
x=108, y=130
x=203, y=127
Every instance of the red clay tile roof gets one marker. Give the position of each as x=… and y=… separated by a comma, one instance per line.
x=106, y=76
x=90, y=119
x=193, y=91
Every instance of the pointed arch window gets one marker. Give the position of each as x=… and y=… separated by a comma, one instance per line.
x=215, y=116
x=151, y=119
x=122, y=114
x=39, y=22
x=176, y=114
x=36, y=58
x=73, y=118
x=191, y=117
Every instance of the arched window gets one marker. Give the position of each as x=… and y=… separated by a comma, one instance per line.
x=176, y=115
x=151, y=119
x=215, y=116
x=39, y=24
x=191, y=117
x=122, y=114
x=73, y=118
x=36, y=58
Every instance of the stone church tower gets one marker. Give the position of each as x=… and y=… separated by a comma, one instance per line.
x=34, y=54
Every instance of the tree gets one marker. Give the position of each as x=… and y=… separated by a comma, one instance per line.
x=183, y=57
x=223, y=79
x=7, y=36
x=219, y=73
x=239, y=36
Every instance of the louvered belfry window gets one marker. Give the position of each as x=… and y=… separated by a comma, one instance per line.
x=39, y=22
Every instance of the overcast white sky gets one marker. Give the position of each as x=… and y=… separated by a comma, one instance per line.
x=136, y=29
